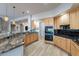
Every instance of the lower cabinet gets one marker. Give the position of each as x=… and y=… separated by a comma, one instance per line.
x=73, y=48
x=57, y=41
x=63, y=43
x=60, y=42
x=77, y=51
x=29, y=38
x=67, y=44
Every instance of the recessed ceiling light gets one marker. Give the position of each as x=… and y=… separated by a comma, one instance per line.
x=27, y=11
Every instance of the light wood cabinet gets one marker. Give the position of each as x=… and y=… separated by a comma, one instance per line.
x=30, y=38
x=74, y=18
x=57, y=23
x=63, y=43
x=61, y=20
x=67, y=44
x=48, y=21
x=56, y=41
x=27, y=40
x=73, y=48
x=77, y=50
x=33, y=24
x=73, y=24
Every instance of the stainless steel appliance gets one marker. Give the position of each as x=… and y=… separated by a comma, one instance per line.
x=49, y=32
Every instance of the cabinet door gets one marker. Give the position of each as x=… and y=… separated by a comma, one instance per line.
x=73, y=48
x=27, y=40
x=63, y=43
x=57, y=41
x=77, y=50
x=36, y=36
x=32, y=37
x=68, y=45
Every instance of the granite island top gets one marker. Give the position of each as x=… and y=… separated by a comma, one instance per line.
x=11, y=41
x=7, y=44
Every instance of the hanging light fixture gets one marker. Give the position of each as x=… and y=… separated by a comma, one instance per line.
x=14, y=16
x=6, y=18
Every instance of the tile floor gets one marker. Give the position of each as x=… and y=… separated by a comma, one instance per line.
x=40, y=48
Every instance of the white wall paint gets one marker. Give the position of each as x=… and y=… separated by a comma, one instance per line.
x=54, y=12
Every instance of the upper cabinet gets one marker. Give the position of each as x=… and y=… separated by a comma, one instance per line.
x=74, y=19
x=71, y=18
x=57, y=23
x=64, y=19
x=33, y=25
x=61, y=20
x=48, y=21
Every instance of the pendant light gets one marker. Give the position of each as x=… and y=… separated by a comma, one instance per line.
x=14, y=16
x=6, y=18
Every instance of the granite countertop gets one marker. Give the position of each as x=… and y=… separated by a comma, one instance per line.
x=70, y=34
x=9, y=44
x=11, y=41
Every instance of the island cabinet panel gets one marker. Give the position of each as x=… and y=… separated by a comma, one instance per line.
x=27, y=39
x=30, y=38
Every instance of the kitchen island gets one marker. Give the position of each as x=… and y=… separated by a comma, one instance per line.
x=11, y=42
x=30, y=37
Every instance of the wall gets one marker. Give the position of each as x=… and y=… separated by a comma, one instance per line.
x=54, y=12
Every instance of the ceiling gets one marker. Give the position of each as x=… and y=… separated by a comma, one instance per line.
x=22, y=8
